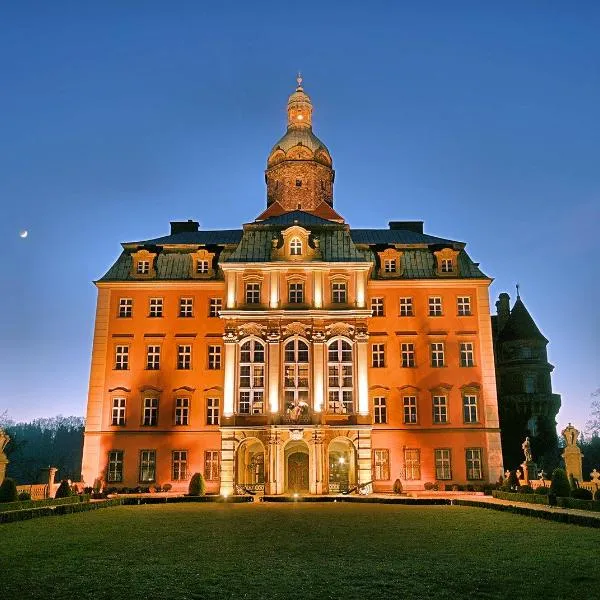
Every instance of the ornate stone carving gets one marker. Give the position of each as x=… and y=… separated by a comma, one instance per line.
x=231, y=335
x=340, y=329
x=296, y=434
x=251, y=329
x=295, y=328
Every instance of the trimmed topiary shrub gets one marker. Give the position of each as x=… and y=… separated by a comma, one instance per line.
x=167, y=487
x=525, y=489
x=8, y=491
x=197, y=485
x=560, y=484
x=397, y=487
x=542, y=490
x=582, y=494
x=431, y=486
x=597, y=495
x=64, y=490
x=24, y=496
x=511, y=483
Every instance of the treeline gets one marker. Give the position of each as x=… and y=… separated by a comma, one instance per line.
x=53, y=442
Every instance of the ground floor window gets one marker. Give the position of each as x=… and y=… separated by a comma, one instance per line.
x=474, y=468
x=412, y=462
x=211, y=465
x=179, y=470
x=443, y=467
x=115, y=466
x=381, y=465
x=147, y=466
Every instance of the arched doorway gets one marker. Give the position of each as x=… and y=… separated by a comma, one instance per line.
x=341, y=466
x=297, y=466
x=250, y=466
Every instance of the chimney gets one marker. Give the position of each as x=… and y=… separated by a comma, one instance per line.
x=503, y=309
x=182, y=226
x=415, y=226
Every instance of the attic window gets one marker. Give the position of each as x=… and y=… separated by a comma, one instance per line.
x=295, y=247
x=390, y=265
x=298, y=182
x=202, y=266
x=447, y=265
x=143, y=267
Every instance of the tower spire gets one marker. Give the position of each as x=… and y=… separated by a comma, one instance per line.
x=299, y=107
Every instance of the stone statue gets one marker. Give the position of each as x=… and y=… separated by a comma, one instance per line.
x=526, y=445
x=570, y=434
x=572, y=454
x=4, y=439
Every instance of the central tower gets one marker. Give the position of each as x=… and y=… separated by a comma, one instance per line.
x=299, y=172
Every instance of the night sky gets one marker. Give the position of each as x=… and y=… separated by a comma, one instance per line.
x=479, y=118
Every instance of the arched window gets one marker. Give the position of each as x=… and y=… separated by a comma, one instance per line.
x=252, y=378
x=295, y=247
x=340, y=377
x=295, y=375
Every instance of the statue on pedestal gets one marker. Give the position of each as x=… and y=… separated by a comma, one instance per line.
x=572, y=454
x=530, y=470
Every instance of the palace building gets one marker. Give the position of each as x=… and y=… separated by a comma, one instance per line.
x=295, y=354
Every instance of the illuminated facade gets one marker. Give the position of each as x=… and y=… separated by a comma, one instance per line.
x=296, y=354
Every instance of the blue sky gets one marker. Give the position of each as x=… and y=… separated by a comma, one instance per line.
x=479, y=118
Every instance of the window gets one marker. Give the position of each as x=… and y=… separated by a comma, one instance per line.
x=184, y=357
x=525, y=352
x=156, y=307
x=529, y=384
x=380, y=409
x=437, y=354
x=179, y=470
x=147, y=466
x=340, y=377
x=440, y=409
x=253, y=293
x=474, y=469
x=143, y=267
x=381, y=465
x=114, y=473
x=150, y=412
x=153, y=358
x=389, y=265
x=443, y=466
x=182, y=411
x=447, y=265
x=186, y=307
x=212, y=411
x=435, y=306
x=296, y=293
x=215, y=307
x=338, y=292
x=407, y=353
x=466, y=354
x=377, y=307
x=122, y=358
x=202, y=267
x=118, y=411
x=378, y=356
x=409, y=404
x=214, y=358
x=470, y=408
x=125, y=307
x=211, y=465
x=406, y=307
x=412, y=463
x=463, y=304
x=295, y=247
x=252, y=378
x=299, y=181
x=295, y=374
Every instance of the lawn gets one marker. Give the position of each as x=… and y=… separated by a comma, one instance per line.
x=296, y=551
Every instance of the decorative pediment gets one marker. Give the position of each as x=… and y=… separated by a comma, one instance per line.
x=184, y=388
x=446, y=262
x=379, y=387
x=390, y=263
x=442, y=388
x=150, y=388
x=119, y=388
x=295, y=328
x=297, y=245
x=142, y=266
x=202, y=262
x=472, y=387
x=340, y=329
x=409, y=388
x=251, y=329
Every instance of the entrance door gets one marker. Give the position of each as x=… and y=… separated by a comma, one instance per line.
x=298, y=472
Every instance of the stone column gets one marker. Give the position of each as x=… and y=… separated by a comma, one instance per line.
x=318, y=348
x=228, y=445
x=273, y=375
x=4, y=439
x=363, y=450
x=362, y=375
x=316, y=446
x=230, y=339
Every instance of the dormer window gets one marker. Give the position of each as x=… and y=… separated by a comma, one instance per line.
x=447, y=265
x=390, y=265
x=446, y=262
x=143, y=267
x=202, y=267
x=142, y=264
x=295, y=247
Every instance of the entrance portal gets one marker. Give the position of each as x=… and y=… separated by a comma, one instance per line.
x=342, y=466
x=298, y=472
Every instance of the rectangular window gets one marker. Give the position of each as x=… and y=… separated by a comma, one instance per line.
x=463, y=305
x=389, y=265
x=380, y=409
x=125, y=307
x=212, y=411
x=122, y=358
x=529, y=383
x=443, y=466
x=474, y=467
x=340, y=403
x=114, y=473
x=186, y=307
x=412, y=463
x=156, y=307
x=407, y=352
x=338, y=292
x=150, y=412
x=440, y=409
x=202, y=267
x=182, y=411
x=435, y=306
x=409, y=404
x=378, y=356
x=253, y=293
x=381, y=465
x=296, y=293
x=118, y=411
x=447, y=265
x=147, y=466
x=470, y=408
x=179, y=468
x=153, y=358
x=377, y=307
x=437, y=354
x=214, y=358
x=211, y=465
x=466, y=354
x=406, y=307
x=215, y=307
x=143, y=267
x=184, y=357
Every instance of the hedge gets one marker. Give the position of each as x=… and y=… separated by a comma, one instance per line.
x=593, y=505
x=129, y=501
x=22, y=504
x=516, y=497
x=65, y=508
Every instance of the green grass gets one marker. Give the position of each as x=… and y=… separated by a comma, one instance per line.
x=296, y=551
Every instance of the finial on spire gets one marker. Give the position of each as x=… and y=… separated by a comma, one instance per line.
x=299, y=80
x=518, y=286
